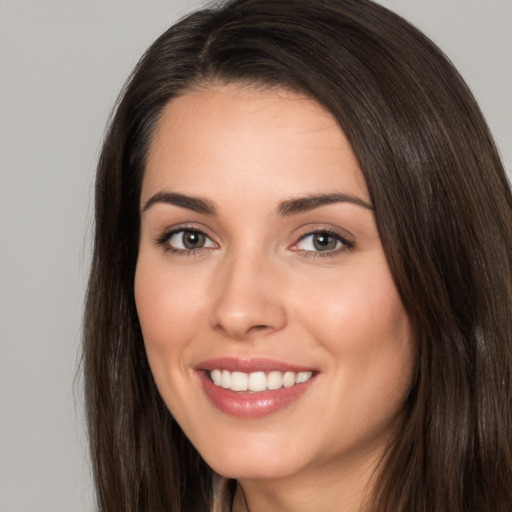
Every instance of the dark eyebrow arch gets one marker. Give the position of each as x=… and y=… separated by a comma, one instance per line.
x=196, y=204
x=307, y=203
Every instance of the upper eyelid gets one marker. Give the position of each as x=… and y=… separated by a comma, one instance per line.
x=329, y=231
x=173, y=232
x=323, y=228
x=169, y=230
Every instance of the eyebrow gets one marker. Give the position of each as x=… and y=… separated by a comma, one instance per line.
x=196, y=204
x=307, y=203
x=288, y=207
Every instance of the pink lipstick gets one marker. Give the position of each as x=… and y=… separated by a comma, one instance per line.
x=252, y=388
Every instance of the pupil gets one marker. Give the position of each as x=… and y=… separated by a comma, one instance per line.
x=193, y=240
x=324, y=242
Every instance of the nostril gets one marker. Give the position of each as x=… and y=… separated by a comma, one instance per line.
x=241, y=309
x=258, y=328
x=242, y=332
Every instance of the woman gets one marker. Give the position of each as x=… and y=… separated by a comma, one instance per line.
x=301, y=295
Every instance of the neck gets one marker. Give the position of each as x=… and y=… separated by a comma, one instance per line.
x=240, y=502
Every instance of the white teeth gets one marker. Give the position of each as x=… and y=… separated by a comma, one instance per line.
x=239, y=381
x=303, y=377
x=257, y=381
x=289, y=379
x=216, y=376
x=226, y=379
x=274, y=380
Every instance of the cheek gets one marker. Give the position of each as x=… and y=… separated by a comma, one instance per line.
x=169, y=310
x=361, y=323
x=167, y=306
x=354, y=312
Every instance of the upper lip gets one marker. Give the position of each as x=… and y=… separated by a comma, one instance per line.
x=233, y=364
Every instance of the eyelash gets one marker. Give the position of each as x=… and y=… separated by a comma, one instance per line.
x=165, y=237
x=346, y=244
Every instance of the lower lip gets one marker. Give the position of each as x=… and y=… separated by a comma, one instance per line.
x=245, y=404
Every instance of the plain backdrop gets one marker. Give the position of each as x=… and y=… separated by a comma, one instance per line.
x=62, y=64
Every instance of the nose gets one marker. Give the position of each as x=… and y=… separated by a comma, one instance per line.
x=248, y=298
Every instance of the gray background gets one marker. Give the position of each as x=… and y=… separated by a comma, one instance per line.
x=62, y=64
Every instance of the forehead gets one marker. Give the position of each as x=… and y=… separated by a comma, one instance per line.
x=251, y=138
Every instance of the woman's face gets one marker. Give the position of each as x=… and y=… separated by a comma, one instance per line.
x=272, y=325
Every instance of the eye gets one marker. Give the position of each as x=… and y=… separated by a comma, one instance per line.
x=188, y=240
x=323, y=241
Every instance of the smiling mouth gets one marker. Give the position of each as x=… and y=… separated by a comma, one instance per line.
x=257, y=382
x=253, y=388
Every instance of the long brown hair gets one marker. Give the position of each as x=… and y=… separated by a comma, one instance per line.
x=444, y=211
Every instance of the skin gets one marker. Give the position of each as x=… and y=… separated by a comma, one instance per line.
x=260, y=288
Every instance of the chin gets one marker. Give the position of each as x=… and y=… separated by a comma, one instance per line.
x=256, y=460
x=253, y=470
